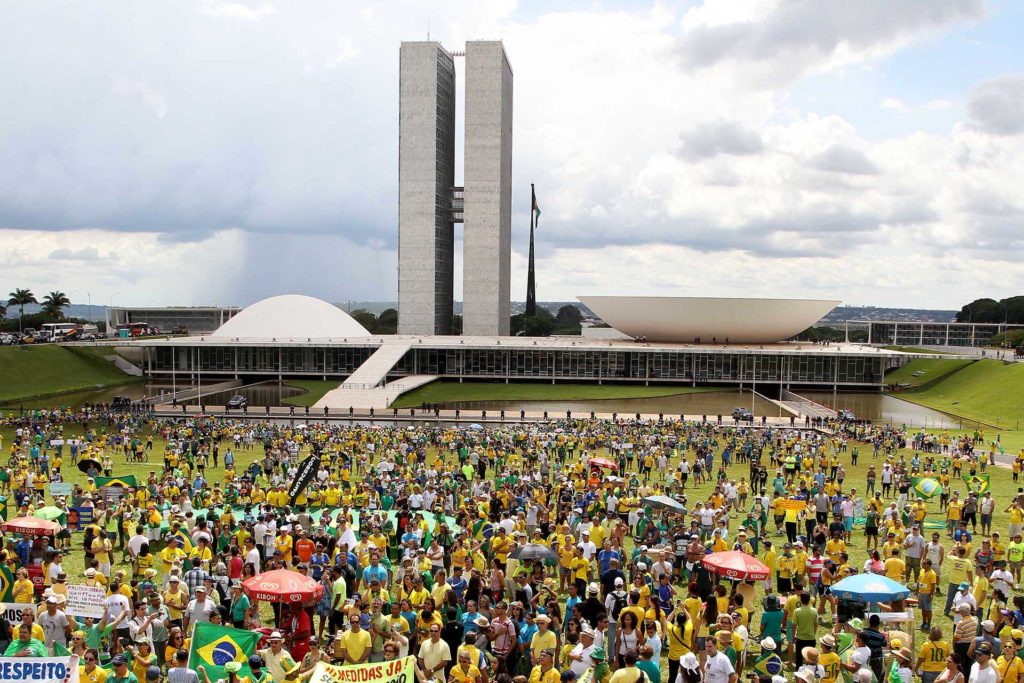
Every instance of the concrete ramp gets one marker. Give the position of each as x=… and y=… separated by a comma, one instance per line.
x=805, y=407
x=362, y=397
x=376, y=368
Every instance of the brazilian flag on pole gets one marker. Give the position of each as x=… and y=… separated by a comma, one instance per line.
x=128, y=481
x=978, y=483
x=926, y=487
x=213, y=646
x=6, y=584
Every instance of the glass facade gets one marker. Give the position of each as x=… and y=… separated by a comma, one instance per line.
x=693, y=366
x=933, y=334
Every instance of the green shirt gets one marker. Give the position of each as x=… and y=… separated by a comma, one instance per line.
x=805, y=621
x=94, y=637
x=36, y=647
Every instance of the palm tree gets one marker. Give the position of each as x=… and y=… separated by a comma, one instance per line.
x=3, y=311
x=54, y=303
x=19, y=298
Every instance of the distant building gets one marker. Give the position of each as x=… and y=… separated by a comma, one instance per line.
x=429, y=202
x=191, y=319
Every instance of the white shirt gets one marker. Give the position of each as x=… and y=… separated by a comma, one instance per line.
x=117, y=603
x=579, y=667
x=987, y=674
x=253, y=557
x=718, y=669
x=1002, y=580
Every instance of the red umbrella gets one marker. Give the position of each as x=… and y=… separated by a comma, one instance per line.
x=283, y=585
x=31, y=526
x=604, y=462
x=732, y=564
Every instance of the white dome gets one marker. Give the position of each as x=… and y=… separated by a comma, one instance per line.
x=291, y=316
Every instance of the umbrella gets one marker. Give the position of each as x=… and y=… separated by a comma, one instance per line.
x=476, y=426
x=85, y=465
x=664, y=502
x=732, y=564
x=604, y=462
x=870, y=588
x=283, y=585
x=533, y=551
x=50, y=512
x=31, y=526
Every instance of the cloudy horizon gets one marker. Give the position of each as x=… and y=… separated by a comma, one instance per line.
x=218, y=151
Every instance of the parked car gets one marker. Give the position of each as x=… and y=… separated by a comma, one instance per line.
x=238, y=401
x=847, y=415
x=742, y=414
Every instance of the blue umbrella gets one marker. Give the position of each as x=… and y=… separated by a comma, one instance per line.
x=476, y=426
x=870, y=588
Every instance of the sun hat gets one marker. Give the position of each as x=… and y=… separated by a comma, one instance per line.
x=598, y=654
x=768, y=643
x=688, y=662
x=233, y=667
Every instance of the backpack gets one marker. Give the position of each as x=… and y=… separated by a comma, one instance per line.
x=619, y=602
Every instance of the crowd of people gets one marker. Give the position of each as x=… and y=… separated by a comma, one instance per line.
x=524, y=550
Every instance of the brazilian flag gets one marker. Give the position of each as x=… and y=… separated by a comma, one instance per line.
x=926, y=487
x=213, y=646
x=979, y=483
x=770, y=665
x=6, y=584
x=128, y=481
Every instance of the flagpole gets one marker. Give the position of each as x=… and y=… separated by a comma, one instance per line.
x=531, y=285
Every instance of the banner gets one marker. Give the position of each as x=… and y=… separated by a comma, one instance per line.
x=926, y=487
x=12, y=611
x=790, y=504
x=214, y=646
x=128, y=481
x=305, y=474
x=978, y=483
x=61, y=489
x=396, y=671
x=86, y=601
x=39, y=669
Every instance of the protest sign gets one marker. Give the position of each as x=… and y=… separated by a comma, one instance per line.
x=11, y=611
x=39, y=669
x=397, y=671
x=61, y=489
x=86, y=601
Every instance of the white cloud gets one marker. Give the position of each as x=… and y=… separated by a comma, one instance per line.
x=997, y=106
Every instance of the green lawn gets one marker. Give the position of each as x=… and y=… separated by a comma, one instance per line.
x=315, y=390
x=450, y=392
x=930, y=369
x=987, y=390
x=915, y=349
x=48, y=370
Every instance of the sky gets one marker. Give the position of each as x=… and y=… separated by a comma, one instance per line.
x=179, y=152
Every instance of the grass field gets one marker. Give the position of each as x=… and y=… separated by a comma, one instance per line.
x=315, y=390
x=929, y=369
x=915, y=349
x=449, y=392
x=47, y=370
x=986, y=390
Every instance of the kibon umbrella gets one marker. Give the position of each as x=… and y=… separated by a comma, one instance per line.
x=533, y=551
x=283, y=585
x=603, y=462
x=664, y=502
x=870, y=588
x=732, y=564
x=31, y=526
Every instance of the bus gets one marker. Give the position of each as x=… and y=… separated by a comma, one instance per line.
x=59, y=331
x=134, y=330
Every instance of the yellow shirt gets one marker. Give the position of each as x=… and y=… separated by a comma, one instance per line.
x=926, y=582
x=97, y=675
x=830, y=662
x=933, y=655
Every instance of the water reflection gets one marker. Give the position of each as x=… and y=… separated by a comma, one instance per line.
x=884, y=408
x=710, y=403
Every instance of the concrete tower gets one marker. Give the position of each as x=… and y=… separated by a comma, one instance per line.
x=487, y=232
x=426, y=178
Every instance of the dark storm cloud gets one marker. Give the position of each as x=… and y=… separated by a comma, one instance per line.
x=997, y=106
x=843, y=159
x=713, y=138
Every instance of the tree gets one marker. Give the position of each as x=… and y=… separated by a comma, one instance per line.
x=569, y=318
x=982, y=311
x=3, y=311
x=54, y=304
x=19, y=298
x=540, y=325
x=387, y=322
x=364, y=318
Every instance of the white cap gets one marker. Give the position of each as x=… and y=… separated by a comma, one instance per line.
x=619, y=581
x=641, y=566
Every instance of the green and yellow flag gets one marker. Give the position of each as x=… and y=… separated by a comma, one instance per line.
x=213, y=646
x=926, y=487
x=6, y=584
x=978, y=483
x=127, y=481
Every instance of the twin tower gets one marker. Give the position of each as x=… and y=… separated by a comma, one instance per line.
x=430, y=203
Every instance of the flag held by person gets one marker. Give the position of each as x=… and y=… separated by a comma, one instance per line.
x=213, y=646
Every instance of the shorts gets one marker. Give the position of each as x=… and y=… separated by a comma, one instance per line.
x=564, y=571
x=924, y=601
x=871, y=531
x=779, y=519
x=986, y=520
x=848, y=524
